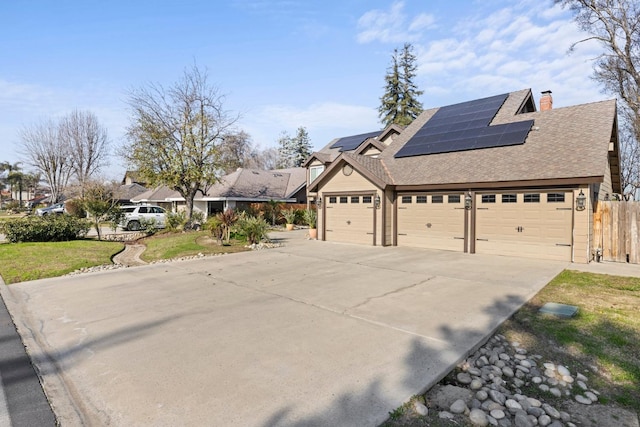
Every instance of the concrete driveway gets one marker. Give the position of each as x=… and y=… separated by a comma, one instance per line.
x=312, y=333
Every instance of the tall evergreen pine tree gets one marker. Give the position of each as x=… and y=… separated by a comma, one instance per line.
x=400, y=104
x=293, y=151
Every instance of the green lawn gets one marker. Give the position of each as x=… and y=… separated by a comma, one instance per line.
x=175, y=245
x=605, y=333
x=20, y=262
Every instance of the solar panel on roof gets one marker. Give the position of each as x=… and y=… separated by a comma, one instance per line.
x=465, y=126
x=350, y=143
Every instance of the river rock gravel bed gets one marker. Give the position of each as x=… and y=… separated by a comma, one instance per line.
x=501, y=384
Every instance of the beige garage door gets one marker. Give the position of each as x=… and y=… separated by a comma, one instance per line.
x=535, y=224
x=433, y=221
x=349, y=219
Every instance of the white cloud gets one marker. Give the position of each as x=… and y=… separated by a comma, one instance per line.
x=512, y=48
x=393, y=25
x=422, y=22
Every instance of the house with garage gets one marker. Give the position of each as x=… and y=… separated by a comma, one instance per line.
x=494, y=175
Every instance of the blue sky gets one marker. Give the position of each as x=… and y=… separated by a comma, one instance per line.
x=281, y=63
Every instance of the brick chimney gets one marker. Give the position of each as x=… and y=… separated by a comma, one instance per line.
x=546, y=101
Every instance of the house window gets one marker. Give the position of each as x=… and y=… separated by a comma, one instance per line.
x=314, y=172
x=421, y=199
x=555, y=197
x=343, y=199
x=333, y=199
x=355, y=199
x=453, y=198
x=509, y=198
x=437, y=199
x=532, y=198
x=406, y=199
x=366, y=199
x=488, y=198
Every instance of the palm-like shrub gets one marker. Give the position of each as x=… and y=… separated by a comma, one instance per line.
x=290, y=215
x=311, y=217
x=254, y=229
x=228, y=219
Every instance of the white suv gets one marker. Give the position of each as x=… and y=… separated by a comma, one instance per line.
x=136, y=215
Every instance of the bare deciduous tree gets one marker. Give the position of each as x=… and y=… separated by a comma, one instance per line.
x=44, y=150
x=87, y=142
x=266, y=159
x=615, y=24
x=175, y=134
x=235, y=151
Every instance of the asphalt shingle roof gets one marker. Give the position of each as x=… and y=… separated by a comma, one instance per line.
x=570, y=142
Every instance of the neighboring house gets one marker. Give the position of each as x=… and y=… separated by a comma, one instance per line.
x=491, y=176
x=133, y=177
x=237, y=190
x=126, y=192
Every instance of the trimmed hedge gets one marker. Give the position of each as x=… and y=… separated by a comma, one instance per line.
x=49, y=228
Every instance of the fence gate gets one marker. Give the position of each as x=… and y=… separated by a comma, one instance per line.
x=616, y=225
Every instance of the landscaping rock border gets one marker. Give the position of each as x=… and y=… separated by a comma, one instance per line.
x=501, y=384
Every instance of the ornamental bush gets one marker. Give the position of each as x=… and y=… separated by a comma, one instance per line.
x=49, y=228
x=252, y=228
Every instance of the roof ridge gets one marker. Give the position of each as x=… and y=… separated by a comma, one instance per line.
x=386, y=169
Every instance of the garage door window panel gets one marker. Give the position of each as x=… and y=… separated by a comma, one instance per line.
x=333, y=199
x=421, y=199
x=343, y=199
x=509, y=198
x=453, y=198
x=366, y=199
x=406, y=199
x=555, y=197
x=488, y=198
x=437, y=199
x=532, y=198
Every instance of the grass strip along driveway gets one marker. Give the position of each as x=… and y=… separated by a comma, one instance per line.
x=603, y=338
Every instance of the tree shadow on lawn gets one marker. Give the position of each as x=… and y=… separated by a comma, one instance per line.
x=427, y=361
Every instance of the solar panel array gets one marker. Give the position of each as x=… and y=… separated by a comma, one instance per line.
x=465, y=126
x=350, y=143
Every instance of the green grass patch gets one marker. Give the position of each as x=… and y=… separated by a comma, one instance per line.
x=176, y=245
x=20, y=262
x=605, y=333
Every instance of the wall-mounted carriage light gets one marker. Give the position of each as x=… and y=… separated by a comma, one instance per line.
x=319, y=202
x=581, y=201
x=468, y=201
x=377, y=201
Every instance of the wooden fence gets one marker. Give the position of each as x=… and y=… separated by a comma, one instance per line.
x=616, y=226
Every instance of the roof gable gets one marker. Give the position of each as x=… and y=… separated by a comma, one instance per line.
x=372, y=169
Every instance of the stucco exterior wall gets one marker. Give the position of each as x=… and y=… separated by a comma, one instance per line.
x=338, y=182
